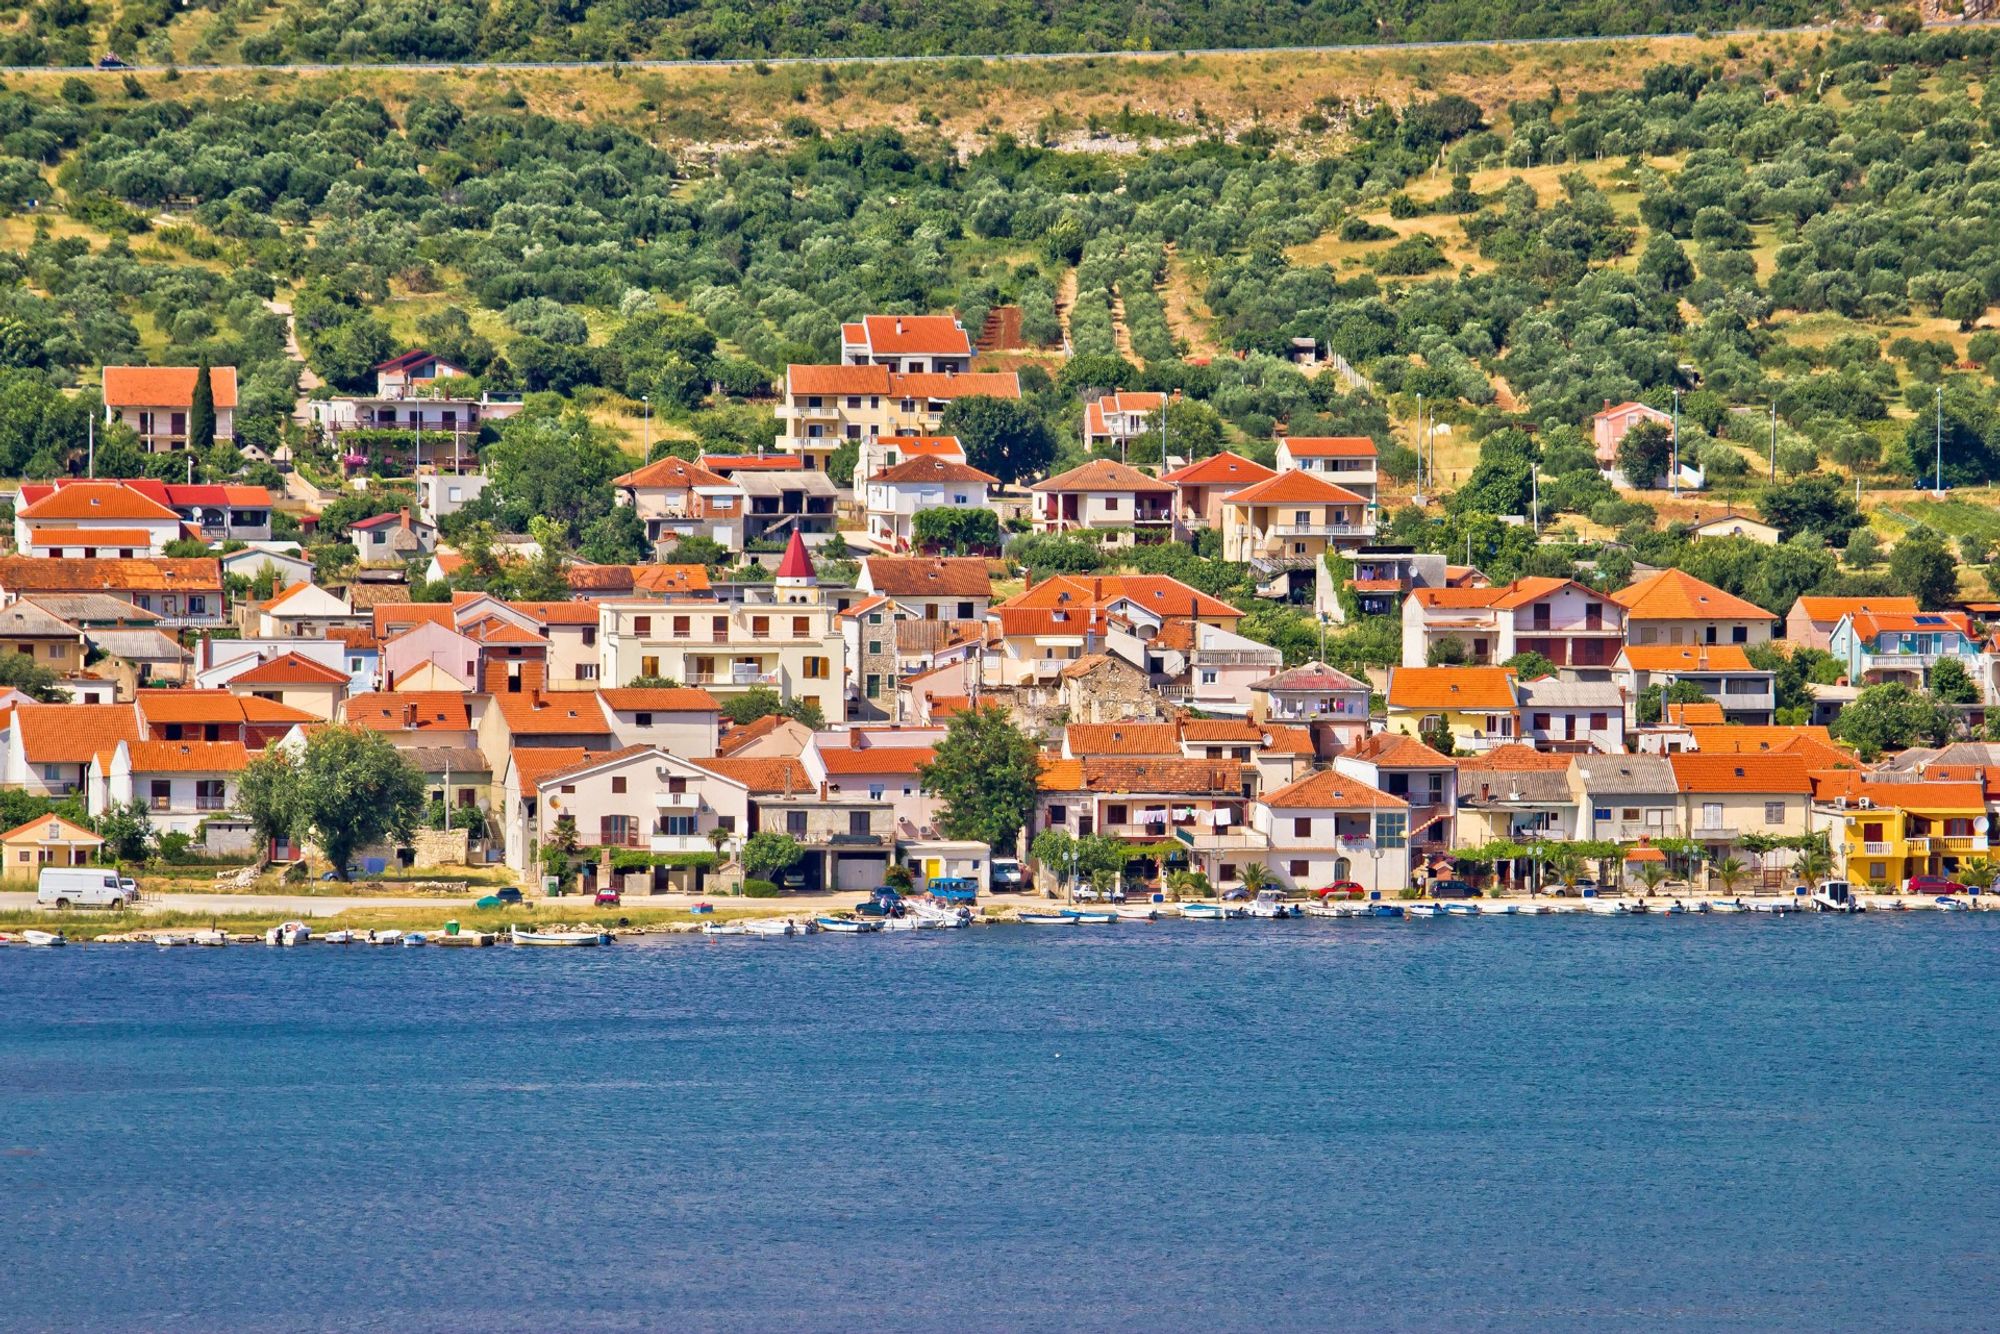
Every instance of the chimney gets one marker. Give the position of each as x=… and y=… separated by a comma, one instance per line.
x=404, y=515
x=410, y=716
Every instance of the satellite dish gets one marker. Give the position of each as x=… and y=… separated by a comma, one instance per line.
x=1979, y=824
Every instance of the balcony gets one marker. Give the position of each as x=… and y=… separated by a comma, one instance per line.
x=679, y=843
x=740, y=676
x=679, y=801
x=1964, y=843
x=1917, y=847
x=1702, y=833
x=1320, y=530
x=1877, y=849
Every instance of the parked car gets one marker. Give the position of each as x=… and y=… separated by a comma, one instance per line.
x=80, y=887
x=1454, y=889
x=1008, y=875
x=1933, y=884
x=607, y=898
x=1342, y=889
x=509, y=895
x=110, y=60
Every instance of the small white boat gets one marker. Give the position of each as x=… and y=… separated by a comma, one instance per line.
x=1726, y=905
x=940, y=915
x=171, y=942
x=1328, y=910
x=1495, y=908
x=572, y=939
x=384, y=937
x=44, y=939
x=769, y=926
x=213, y=937
x=1045, y=919
x=1424, y=910
x=1532, y=908
x=1951, y=904
x=849, y=926
x=1778, y=907
x=288, y=933
x=1461, y=910
x=725, y=928
x=1090, y=917
x=1203, y=912
x=1270, y=903
x=340, y=938
x=907, y=922
x=414, y=939
x=1136, y=914
x=1607, y=907
x=1675, y=907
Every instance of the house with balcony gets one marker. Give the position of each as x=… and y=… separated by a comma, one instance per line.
x=893, y=497
x=849, y=841
x=1150, y=800
x=296, y=681
x=50, y=747
x=638, y=798
x=1114, y=422
x=676, y=498
x=1350, y=462
x=157, y=401
x=1888, y=828
x=1578, y=629
x=777, y=504
x=212, y=512
x=180, y=783
x=1515, y=795
x=1674, y=607
x=1104, y=494
x=421, y=393
x=1723, y=673
x=1568, y=716
x=39, y=635
x=1405, y=767
x=685, y=720
x=1293, y=519
x=1878, y=646
x=91, y=519
x=876, y=766
x=1624, y=798
x=1381, y=577
x=825, y=405
x=1478, y=707
x=930, y=588
x=1331, y=826
x=1812, y=620
x=1201, y=487
x=1331, y=703
x=1608, y=428
x=1038, y=632
x=785, y=637
x=182, y=594
x=1724, y=798
x=873, y=453
x=907, y=343
x=1197, y=666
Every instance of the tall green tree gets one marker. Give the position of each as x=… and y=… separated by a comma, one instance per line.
x=986, y=771
x=767, y=854
x=1924, y=567
x=1892, y=717
x=201, y=411
x=1003, y=436
x=347, y=789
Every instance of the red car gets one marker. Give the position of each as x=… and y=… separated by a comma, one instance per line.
x=607, y=898
x=1933, y=884
x=1343, y=889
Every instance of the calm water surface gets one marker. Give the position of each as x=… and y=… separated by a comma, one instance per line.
x=1522, y=1123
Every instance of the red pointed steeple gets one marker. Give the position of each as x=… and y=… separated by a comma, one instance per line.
x=796, y=564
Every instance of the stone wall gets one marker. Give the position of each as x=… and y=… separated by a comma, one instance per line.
x=440, y=847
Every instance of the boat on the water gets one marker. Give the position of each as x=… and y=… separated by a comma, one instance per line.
x=213, y=937
x=1424, y=910
x=167, y=942
x=288, y=933
x=340, y=937
x=1675, y=907
x=904, y=922
x=1204, y=912
x=384, y=937
x=769, y=926
x=1726, y=905
x=1270, y=903
x=560, y=938
x=1136, y=914
x=1386, y=910
x=1045, y=918
x=725, y=928
x=1494, y=908
x=414, y=939
x=44, y=939
x=1951, y=903
x=849, y=926
x=1461, y=910
x=1089, y=917
x=1777, y=907
x=942, y=916
x=1607, y=907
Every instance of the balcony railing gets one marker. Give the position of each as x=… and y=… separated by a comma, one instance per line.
x=1702, y=833
x=1920, y=846
x=1321, y=530
x=680, y=801
x=741, y=677
x=1877, y=849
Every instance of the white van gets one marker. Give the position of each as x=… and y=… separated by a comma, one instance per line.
x=82, y=887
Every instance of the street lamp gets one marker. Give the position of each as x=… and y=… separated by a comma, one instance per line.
x=646, y=409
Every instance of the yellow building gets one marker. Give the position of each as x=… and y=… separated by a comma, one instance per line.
x=47, y=840
x=1478, y=706
x=1886, y=832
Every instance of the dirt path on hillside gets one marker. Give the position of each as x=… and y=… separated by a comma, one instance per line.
x=1065, y=299
x=1188, y=316
x=1119, y=333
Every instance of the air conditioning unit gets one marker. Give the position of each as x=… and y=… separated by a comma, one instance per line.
x=1866, y=803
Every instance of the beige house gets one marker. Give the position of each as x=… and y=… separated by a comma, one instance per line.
x=1735, y=525
x=1811, y=621
x=1296, y=516
x=297, y=681
x=643, y=797
x=1674, y=607
x=1331, y=826
x=675, y=498
x=40, y=635
x=305, y=611
x=685, y=720
x=895, y=496
x=1350, y=462
x=1116, y=421
x=46, y=840
x=156, y=402
x=1202, y=486
x=1725, y=797
x=1103, y=494
x=825, y=405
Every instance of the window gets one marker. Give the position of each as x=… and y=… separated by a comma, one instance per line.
x=679, y=826
x=618, y=784
x=801, y=627
x=642, y=625
x=162, y=794
x=1058, y=815
x=795, y=823
x=1739, y=634
x=569, y=789
x=1774, y=812
x=1600, y=812
x=1302, y=826
x=874, y=686
x=1209, y=676
x=1878, y=871
x=965, y=611
x=682, y=627
x=209, y=795
x=586, y=671
x=1114, y=815
x=1111, y=504
x=1392, y=831
x=1599, y=721
x=760, y=627
x=815, y=669
x=874, y=648
x=55, y=651
x=642, y=719
x=726, y=823
x=860, y=822
x=649, y=666
x=1711, y=815
x=1298, y=869
x=875, y=791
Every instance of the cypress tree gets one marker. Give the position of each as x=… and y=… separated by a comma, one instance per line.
x=201, y=412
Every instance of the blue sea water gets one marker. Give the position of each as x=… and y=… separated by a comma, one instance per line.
x=1554, y=1123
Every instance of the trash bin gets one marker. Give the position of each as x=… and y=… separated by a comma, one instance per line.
x=451, y=928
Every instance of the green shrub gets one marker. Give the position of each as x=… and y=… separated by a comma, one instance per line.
x=760, y=889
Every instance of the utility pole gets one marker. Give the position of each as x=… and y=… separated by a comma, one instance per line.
x=1937, y=481
x=90, y=451
x=1535, y=476
x=1774, y=442
x=1165, y=402
x=646, y=415
x=1674, y=474
x=1421, y=483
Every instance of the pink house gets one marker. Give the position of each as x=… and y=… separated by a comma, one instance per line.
x=1609, y=427
x=430, y=644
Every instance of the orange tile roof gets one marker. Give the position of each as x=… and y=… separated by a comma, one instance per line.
x=1221, y=731
x=1478, y=689
x=1296, y=488
x=1512, y=756
x=291, y=669
x=1869, y=624
x=165, y=386
x=925, y=446
x=1398, y=750
x=127, y=538
x=393, y=619
x=1220, y=470
x=499, y=630
x=1288, y=741
x=929, y=576
x=558, y=613
x=82, y=574
x=262, y=712
x=1820, y=754
x=1138, y=400
x=1157, y=593
x=1696, y=713
x=1744, y=740
x=1205, y=778
x=965, y=384
x=412, y=710
x=1925, y=795
x=552, y=712
x=1456, y=599
x=535, y=764
x=1103, y=475
x=38, y=827
x=765, y=776
x=1331, y=447
x=183, y=757
x=917, y=471
x=1687, y=658
x=670, y=578
x=844, y=760
x=935, y=335
x=1739, y=773
x=738, y=735
x=161, y=707
x=1329, y=789
x=670, y=473
x=837, y=380
x=1535, y=587
x=660, y=699
x=1060, y=775
x=73, y=733
x=1675, y=595
x=97, y=500
x=289, y=592
x=1122, y=739
x=1830, y=610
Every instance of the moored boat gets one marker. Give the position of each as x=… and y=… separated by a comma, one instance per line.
x=940, y=915
x=1386, y=910
x=559, y=938
x=1495, y=908
x=1461, y=910
x=1726, y=905
x=725, y=928
x=1952, y=904
x=1203, y=912
x=1088, y=917
x=769, y=926
x=1136, y=914
x=44, y=939
x=415, y=939
x=1271, y=903
x=1045, y=919
x=167, y=942
x=849, y=926
x=340, y=938
x=212, y=937
x=1424, y=910
x=1607, y=907
x=288, y=933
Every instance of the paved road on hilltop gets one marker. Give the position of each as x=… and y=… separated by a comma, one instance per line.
x=745, y=62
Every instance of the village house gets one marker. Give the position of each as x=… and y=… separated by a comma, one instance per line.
x=779, y=502
x=183, y=594
x=1153, y=800
x=1574, y=627
x=873, y=453
x=1673, y=607
x=674, y=498
x=1294, y=517
x=304, y=611
x=215, y=715
x=1427, y=780
x=1330, y=827
x=35, y=633
x=1515, y=794
x=1201, y=487
x=1608, y=428
x=1477, y=707
x=1104, y=495
x=219, y=661
x=825, y=405
x=95, y=519
x=1885, y=830
x=1382, y=577
x=155, y=401
x=1114, y=421
x=1193, y=665
x=50, y=746
x=1624, y=798
x=1811, y=620
x=417, y=718
x=874, y=766
x=418, y=392
x=1032, y=635
x=46, y=840
x=1722, y=673
x=1878, y=646
x=1561, y=716
x=1726, y=797
x=684, y=720
x=638, y=798
x=893, y=497
x=907, y=343
x=1331, y=703
x=931, y=588
x=393, y=539
x=1734, y=525
x=213, y=512
x=1350, y=462
x=180, y=783
x=284, y=566
x=296, y=681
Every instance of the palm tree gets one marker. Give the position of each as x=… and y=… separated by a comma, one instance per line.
x=1650, y=875
x=1814, y=864
x=1567, y=863
x=1255, y=876
x=1729, y=871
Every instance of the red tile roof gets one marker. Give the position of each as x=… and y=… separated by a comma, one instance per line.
x=915, y=471
x=290, y=669
x=535, y=764
x=175, y=757
x=1675, y=595
x=1687, y=658
x=764, y=775
x=552, y=712
x=1123, y=739
x=660, y=699
x=929, y=576
x=1330, y=447
x=97, y=500
x=412, y=710
x=1477, y=689
x=73, y=733
x=841, y=761
x=1739, y=773
x=1830, y=610
x=1219, y=470
x=671, y=474
x=1157, y=593
x=919, y=335
x=1329, y=789
x=165, y=386
x=1103, y=475
x=1296, y=488
x=72, y=574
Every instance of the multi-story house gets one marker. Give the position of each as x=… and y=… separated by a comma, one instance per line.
x=302, y=611
x=155, y=401
x=50, y=747
x=1811, y=621
x=392, y=539
x=1332, y=703
x=1674, y=607
x=1104, y=494
x=1294, y=517
x=875, y=766
x=825, y=405
x=296, y=681
x=1201, y=487
x=675, y=498
x=1479, y=707
x=779, y=502
x=1382, y=577
x=1114, y=421
x=1331, y=826
x=1197, y=666
x=1608, y=428
x=95, y=519
x=416, y=392
x=1201, y=804
x=1560, y=715
x=786, y=638
x=1624, y=798
x=35, y=633
x=873, y=453
x=1405, y=767
x=1578, y=629
x=1348, y=461
x=685, y=720
x=639, y=797
x=1723, y=673
x=907, y=343
x=1885, y=830
x=1723, y=798
x=931, y=588
x=182, y=594
x=1515, y=794
x=180, y=783
x=895, y=496
x=1877, y=646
